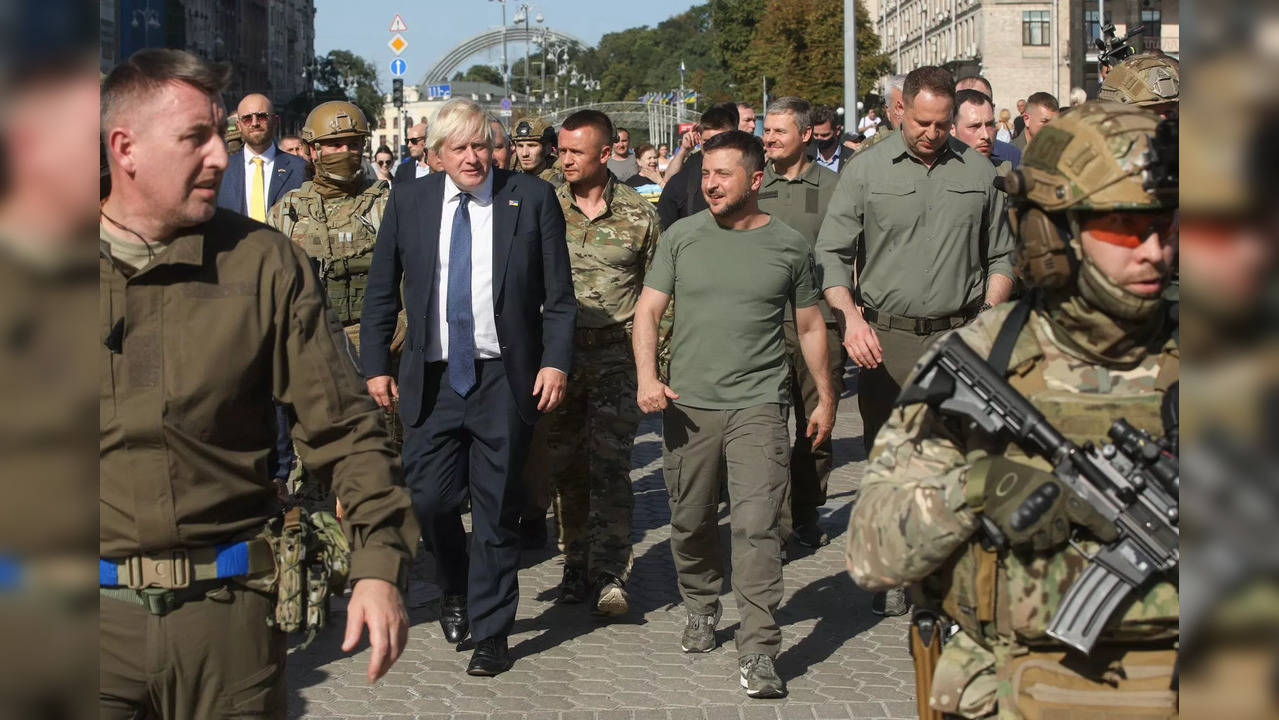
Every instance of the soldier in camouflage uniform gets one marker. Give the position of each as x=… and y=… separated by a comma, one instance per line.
x=334, y=217
x=234, y=143
x=1149, y=80
x=532, y=154
x=612, y=233
x=1093, y=215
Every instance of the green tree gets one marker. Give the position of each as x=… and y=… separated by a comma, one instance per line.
x=639, y=60
x=799, y=45
x=480, y=73
x=343, y=75
x=733, y=23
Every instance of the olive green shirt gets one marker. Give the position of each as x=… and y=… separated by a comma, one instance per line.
x=610, y=253
x=196, y=345
x=732, y=286
x=801, y=203
x=924, y=240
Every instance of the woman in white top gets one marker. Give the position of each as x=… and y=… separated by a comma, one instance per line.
x=1005, y=131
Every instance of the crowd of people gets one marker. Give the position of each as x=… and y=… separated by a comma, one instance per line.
x=484, y=326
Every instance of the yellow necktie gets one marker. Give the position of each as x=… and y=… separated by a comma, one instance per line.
x=257, y=196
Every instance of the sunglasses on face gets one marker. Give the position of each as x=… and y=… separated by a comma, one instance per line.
x=385, y=163
x=416, y=140
x=1130, y=230
x=255, y=117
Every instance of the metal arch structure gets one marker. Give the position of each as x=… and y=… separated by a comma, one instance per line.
x=487, y=40
x=661, y=120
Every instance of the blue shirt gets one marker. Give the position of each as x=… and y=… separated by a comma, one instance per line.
x=1003, y=151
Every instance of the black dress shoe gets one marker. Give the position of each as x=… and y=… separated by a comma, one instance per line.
x=490, y=658
x=453, y=620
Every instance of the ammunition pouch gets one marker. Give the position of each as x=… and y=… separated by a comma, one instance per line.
x=1113, y=682
x=313, y=560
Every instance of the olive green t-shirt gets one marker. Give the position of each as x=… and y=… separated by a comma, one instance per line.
x=731, y=288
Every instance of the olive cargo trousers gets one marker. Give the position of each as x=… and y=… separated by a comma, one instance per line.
x=210, y=658
x=752, y=444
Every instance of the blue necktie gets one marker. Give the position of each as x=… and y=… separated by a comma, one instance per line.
x=458, y=309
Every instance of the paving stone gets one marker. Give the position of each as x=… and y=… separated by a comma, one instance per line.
x=839, y=660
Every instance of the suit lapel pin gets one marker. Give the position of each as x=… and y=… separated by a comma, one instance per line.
x=513, y=203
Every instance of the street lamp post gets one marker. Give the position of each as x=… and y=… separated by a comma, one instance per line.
x=506, y=69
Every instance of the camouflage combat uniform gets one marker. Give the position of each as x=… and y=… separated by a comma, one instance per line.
x=910, y=523
x=338, y=235
x=1083, y=367
x=589, y=436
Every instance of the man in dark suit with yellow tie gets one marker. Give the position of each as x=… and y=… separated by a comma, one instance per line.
x=260, y=174
x=481, y=257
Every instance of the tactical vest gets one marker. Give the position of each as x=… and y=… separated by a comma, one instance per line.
x=338, y=235
x=1006, y=599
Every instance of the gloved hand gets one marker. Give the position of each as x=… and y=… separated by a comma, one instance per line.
x=1032, y=507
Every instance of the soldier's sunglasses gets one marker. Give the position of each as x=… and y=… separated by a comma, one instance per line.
x=1130, y=230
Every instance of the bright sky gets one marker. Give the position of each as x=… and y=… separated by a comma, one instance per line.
x=436, y=26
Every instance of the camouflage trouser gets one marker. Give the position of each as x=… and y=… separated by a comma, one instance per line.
x=297, y=482
x=588, y=448
x=809, y=466
x=391, y=416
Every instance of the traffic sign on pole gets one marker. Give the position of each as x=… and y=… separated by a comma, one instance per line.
x=505, y=104
x=397, y=25
x=398, y=67
x=398, y=43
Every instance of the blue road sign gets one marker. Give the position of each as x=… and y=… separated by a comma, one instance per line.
x=439, y=92
x=505, y=104
x=398, y=67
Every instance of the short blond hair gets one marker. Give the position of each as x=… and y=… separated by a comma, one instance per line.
x=459, y=117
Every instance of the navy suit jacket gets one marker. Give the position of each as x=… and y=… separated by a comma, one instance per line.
x=533, y=303
x=289, y=174
x=1006, y=151
x=405, y=172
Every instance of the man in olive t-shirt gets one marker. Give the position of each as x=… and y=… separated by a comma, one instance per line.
x=734, y=269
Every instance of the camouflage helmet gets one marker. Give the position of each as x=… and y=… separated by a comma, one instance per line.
x=334, y=119
x=530, y=130
x=1145, y=80
x=1098, y=157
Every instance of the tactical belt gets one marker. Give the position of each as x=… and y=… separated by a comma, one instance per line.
x=596, y=337
x=178, y=569
x=920, y=326
x=159, y=601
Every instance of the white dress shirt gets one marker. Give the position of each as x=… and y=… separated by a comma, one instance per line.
x=421, y=169
x=481, y=211
x=268, y=167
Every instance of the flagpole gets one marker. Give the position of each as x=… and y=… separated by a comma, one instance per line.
x=679, y=111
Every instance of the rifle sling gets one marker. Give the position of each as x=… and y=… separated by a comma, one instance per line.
x=1001, y=352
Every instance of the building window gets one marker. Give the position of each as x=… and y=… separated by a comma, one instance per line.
x=1034, y=27
x=1150, y=29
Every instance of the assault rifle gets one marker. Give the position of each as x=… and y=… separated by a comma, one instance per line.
x=1113, y=50
x=1132, y=481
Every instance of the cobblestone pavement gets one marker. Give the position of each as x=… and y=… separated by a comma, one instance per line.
x=839, y=659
